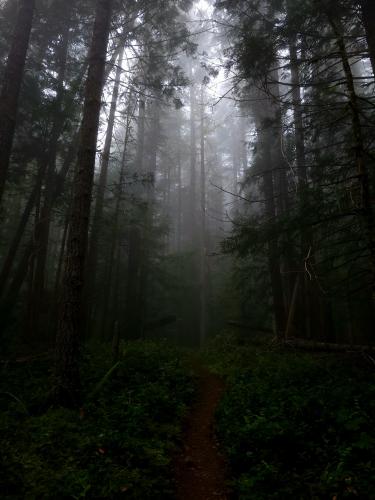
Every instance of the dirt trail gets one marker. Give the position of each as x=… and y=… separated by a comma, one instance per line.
x=200, y=469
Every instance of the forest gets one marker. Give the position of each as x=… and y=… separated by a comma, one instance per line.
x=187, y=249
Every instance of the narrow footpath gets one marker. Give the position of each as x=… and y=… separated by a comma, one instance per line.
x=200, y=469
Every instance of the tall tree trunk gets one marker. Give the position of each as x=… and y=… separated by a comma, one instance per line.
x=60, y=261
x=20, y=273
x=133, y=286
x=57, y=183
x=42, y=229
x=273, y=247
x=365, y=195
x=115, y=237
x=307, y=292
x=153, y=144
x=236, y=158
x=68, y=390
x=203, y=243
x=283, y=199
x=193, y=301
x=92, y=257
x=193, y=161
x=179, y=185
x=17, y=238
x=140, y=141
x=12, y=85
x=244, y=155
x=368, y=17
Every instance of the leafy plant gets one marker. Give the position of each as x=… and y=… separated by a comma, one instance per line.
x=296, y=425
x=120, y=443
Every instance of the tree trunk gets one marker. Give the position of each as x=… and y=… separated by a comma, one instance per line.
x=203, y=270
x=193, y=161
x=273, y=248
x=21, y=271
x=368, y=18
x=27, y=211
x=133, y=286
x=12, y=85
x=179, y=186
x=365, y=197
x=96, y=227
x=57, y=183
x=236, y=158
x=42, y=229
x=308, y=299
x=115, y=236
x=68, y=390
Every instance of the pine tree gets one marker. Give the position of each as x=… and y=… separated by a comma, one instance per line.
x=69, y=326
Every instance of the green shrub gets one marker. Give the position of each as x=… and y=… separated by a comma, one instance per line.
x=298, y=426
x=123, y=443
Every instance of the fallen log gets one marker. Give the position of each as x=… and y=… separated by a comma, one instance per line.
x=312, y=345
x=27, y=359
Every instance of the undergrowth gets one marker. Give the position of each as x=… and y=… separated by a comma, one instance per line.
x=119, y=446
x=296, y=425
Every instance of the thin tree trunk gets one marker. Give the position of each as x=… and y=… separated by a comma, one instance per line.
x=115, y=230
x=307, y=293
x=133, y=287
x=365, y=207
x=96, y=227
x=153, y=143
x=273, y=247
x=58, y=185
x=203, y=249
x=21, y=271
x=68, y=390
x=179, y=187
x=12, y=85
x=236, y=152
x=27, y=211
x=140, y=139
x=368, y=17
x=61, y=259
x=193, y=161
x=193, y=300
x=42, y=229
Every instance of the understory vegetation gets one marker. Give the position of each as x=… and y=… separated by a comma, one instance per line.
x=121, y=442
x=296, y=425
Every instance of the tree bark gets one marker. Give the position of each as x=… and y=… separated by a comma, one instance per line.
x=308, y=299
x=236, y=158
x=365, y=207
x=133, y=286
x=42, y=229
x=179, y=186
x=273, y=247
x=193, y=161
x=368, y=18
x=27, y=211
x=96, y=227
x=114, y=239
x=203, y=280
x=12, y=85
x=20, y=273
x=68, y=390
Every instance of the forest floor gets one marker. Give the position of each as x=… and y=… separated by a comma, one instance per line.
x=201, y=469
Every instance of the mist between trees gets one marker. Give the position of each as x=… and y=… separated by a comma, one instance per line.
x=169, y=167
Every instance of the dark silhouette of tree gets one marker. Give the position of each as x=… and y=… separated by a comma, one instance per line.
x=11, y=87
x=68, y=334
